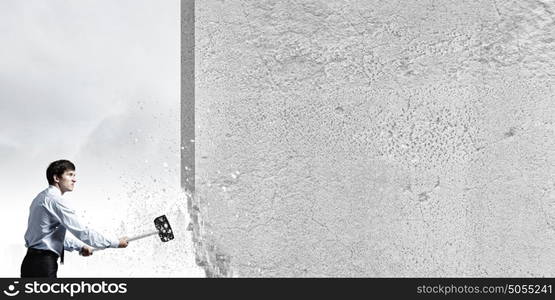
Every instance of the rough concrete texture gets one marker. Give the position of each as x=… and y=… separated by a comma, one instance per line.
x=375, y=138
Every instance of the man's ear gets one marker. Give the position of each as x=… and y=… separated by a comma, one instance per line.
x=56, y=179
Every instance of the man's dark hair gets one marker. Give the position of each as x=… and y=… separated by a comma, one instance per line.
x=58, y=168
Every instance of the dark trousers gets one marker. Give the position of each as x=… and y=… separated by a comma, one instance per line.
x=39, y=263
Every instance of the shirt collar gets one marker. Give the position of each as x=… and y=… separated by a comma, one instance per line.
x=54, y=190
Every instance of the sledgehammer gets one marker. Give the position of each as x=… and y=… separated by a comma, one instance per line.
x=163, y=229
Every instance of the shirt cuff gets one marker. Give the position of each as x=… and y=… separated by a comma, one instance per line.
x=115, y=244
x=79, y=245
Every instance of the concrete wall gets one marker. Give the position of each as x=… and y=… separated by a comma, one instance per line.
x=374, y=138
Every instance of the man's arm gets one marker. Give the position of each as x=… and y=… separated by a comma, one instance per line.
x=72, y=244
x=71, y=222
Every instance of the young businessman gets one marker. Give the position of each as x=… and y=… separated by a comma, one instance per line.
x=50, y=217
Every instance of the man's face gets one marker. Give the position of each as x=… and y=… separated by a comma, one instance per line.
x=67, y=181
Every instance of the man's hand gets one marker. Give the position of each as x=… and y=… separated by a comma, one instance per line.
x=86, y=251
x=123, y=242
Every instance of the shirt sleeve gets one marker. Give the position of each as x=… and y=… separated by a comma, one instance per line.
x=72, y=244
x=69, y=220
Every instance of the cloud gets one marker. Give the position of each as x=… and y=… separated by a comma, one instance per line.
x=65, y=65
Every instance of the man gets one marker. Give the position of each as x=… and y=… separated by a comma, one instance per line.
x=49, y=218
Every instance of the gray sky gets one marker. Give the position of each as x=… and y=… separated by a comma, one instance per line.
x=65, y=65
x=96, y=82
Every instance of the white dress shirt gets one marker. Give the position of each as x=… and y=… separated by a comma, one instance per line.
x=50, y=217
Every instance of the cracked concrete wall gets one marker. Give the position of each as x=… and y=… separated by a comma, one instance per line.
x=374, y=138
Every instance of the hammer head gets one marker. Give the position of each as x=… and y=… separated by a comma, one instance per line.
x=164, y=229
